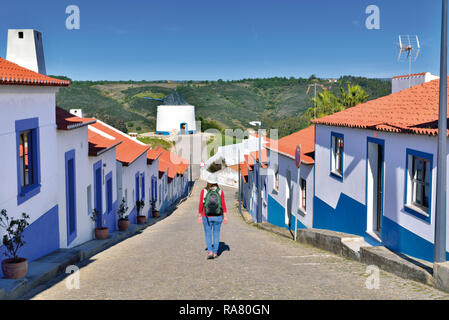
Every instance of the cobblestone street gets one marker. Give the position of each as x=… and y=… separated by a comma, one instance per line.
x=168, y=261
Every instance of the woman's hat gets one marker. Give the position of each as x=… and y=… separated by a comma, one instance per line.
x=212, y=179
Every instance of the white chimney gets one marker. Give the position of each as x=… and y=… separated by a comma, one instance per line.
x=77, y=112
x=404, y=82
x=25, y=48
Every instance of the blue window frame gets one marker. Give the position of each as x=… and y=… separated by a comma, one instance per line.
x=336, y=155
x=28, y=159
x=153, y=188
x=418, y=184
x=109, y=201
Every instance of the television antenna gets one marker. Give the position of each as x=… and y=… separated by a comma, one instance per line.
x=409, y=48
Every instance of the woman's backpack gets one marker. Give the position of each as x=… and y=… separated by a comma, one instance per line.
x=212, y=203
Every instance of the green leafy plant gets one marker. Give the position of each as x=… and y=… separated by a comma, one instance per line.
x=96, y=217
x=121, y=212
x=13, y=239
x=139, y=205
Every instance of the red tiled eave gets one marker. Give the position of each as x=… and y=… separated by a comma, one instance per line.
x=413, y=110
x=287, y=145
x=13, y=74
x=67, y=121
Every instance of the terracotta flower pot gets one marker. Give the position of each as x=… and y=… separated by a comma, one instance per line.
x=15, y=269
x=123, y=224
x=101, y=233
x=155, y=214
x=141, y=219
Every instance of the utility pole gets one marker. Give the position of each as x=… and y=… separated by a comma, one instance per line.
x=239, y=182
x=259, y=190
x=259, y=167
x=440, y=216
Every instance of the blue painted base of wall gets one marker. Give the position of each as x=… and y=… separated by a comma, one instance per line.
x=276, y=215
x=401, y=240
x=349, y=216
x=41, y=237
x=111, y=218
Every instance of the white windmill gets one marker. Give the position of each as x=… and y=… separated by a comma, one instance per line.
x=409, y=48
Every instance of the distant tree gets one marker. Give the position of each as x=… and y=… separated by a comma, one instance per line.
x=353, y=96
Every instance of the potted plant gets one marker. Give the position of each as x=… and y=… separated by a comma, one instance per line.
x=141, y=219
x=14, y=267
x=153, y=209
x=101, y=233
x=123, y=221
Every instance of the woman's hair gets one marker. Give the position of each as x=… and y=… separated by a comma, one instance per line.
x=210, y=185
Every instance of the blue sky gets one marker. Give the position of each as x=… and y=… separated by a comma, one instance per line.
x=210, y=39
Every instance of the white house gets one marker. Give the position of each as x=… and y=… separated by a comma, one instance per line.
x=289, y=188
x=375, y=170
x=399, y=83
x=29, y=163
x=130, y=172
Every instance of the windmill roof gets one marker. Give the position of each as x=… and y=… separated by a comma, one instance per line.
x=175, y=99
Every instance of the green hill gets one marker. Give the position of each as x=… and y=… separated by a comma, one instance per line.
x=279, y=102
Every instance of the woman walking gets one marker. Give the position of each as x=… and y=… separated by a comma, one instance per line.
x=212, y=213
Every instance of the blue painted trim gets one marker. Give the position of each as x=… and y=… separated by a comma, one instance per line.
x=163, y=133
x=41, y=237
x=407, y=209
x=137, y=178
x=332, y=174
x=143, y=187
x=109, y=194
x=24, y=194
x=70, y=195
x=98, y=190
x=382, y=143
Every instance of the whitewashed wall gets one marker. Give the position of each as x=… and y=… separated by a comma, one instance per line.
x=17, y=103
x=354, y=185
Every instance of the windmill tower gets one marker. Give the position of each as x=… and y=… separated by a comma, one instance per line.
x=409, y=48
x=25, y=48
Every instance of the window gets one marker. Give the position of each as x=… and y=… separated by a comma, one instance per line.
x=337, y=154
x=26, y=160
x=126, y=197
x=28, y=167
x=276, y=178
x=20, y=34
x=418, y=183
x=303, y=195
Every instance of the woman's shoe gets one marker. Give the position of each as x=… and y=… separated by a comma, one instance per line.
x=215, y=255
x=210, y=255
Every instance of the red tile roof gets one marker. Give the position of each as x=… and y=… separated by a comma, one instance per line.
x=153, y=154
x=129, y=150
x=11, y=73
x=244, y=171
x=413, y=110
x=67, y=121
x=173, y=163
x=99, y=144
x=287, y=145
x=410, y=75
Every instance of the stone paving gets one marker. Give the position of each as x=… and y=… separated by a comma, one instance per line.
x=168, y=261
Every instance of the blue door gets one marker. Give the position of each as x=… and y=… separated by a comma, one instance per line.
x=98, y=192
x=70, y=185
